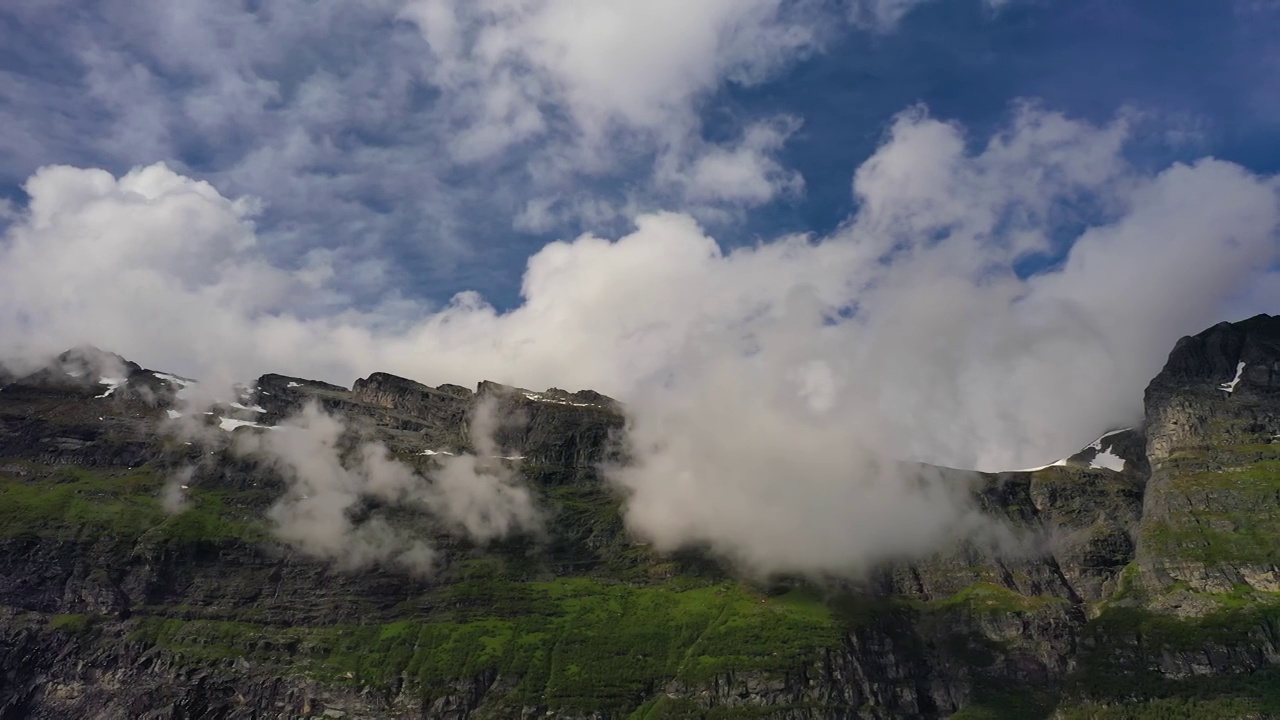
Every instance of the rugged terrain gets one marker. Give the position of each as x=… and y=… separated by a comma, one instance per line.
x=1153, y=590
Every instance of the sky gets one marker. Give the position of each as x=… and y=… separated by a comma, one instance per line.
x=434, y=146
x=966, y=232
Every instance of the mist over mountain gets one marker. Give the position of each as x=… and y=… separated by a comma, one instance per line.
x=289, y=547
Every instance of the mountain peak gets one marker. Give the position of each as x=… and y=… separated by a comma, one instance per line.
x=1229, y=358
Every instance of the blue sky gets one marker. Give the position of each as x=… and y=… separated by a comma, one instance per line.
x=1207, y=73
x=207, y=87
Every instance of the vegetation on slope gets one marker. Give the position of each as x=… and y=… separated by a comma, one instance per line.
x=573, y=644
x=70, y=502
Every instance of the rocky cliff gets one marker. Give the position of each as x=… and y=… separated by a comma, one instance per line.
x=1147, y=585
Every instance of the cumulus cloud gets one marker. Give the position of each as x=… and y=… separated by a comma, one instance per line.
x=773, y=387
x=607, y=64
x=745, y=172
x=331, y=476
x=354, y=122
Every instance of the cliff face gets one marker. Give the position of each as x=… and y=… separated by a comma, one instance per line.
x=1151, y=589
x=1213, y=506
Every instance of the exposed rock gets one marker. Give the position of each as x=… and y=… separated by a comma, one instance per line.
x=1210, y=510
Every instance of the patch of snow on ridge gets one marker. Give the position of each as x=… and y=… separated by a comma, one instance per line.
x=183, y=384
x=1097, y=444
x=254, y=408
x=174, y=414
x=1057, y=463
x=111, y=383
x=1102, y=458
x=230, y=424
x=539, y=397
x=293, y=384
x=180, y=382
x=1107, y=460
x=1231, y=386
x=435, y=452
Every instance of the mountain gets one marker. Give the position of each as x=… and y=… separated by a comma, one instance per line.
x=1146, y=581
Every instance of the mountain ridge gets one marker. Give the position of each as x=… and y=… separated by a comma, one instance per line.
x=1152, y=590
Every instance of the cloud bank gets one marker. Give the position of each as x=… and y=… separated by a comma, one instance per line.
x=770, y=386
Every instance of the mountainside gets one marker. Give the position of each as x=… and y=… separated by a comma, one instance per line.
x=1146, y=581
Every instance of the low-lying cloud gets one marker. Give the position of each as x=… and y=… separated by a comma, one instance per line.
x=990, y=305
x=173, y=495
x=330, y=477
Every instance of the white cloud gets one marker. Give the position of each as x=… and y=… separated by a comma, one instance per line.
x=774, y=384
x=355, y=122
x=173, y=496
x=605, y=63
x=745, y=172
x=468, y=496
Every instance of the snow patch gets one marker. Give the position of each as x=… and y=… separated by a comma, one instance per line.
x=180, y=382
x=539, y=397
x=1097, y=444
x=111, y=383
x=1102, y=458
x=293, y=384
x=183, y=384
x=174, y=414
x=230, y=424
x=1107, y=460
x=1056, y=463
x=446, y=452
x=1231, y=386
x=253, y=408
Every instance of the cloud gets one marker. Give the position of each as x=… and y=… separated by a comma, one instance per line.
x=331, y=476
x=745, y=172
x=423, y=129
x=610, y=64
x=993, y=303
x=881, y=15
x=173, y=496
x=885, y=15
x=773, y=462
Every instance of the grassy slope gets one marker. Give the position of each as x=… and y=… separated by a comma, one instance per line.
x=67, y=502
x=1237, y=519
x=572, y=644
x=576, y=643
x=593, y=642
